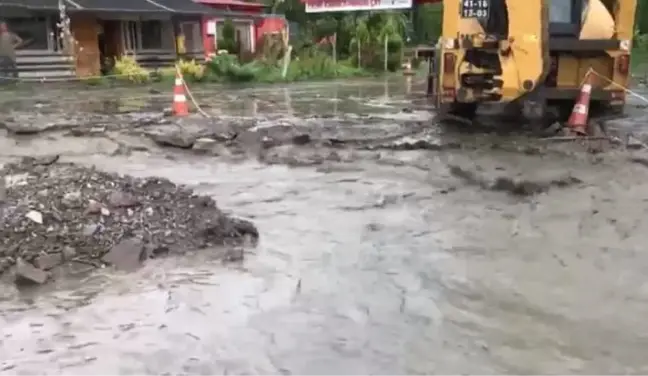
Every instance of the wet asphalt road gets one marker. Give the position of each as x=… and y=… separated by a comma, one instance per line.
x=387, y=265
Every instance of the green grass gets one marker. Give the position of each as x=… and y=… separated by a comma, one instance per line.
x=224, y=69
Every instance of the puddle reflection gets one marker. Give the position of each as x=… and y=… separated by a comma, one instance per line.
x=292, y=100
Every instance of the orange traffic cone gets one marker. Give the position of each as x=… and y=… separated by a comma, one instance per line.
x=180, y=107
x=578, y=119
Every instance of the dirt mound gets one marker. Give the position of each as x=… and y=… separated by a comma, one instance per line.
x=53, y=212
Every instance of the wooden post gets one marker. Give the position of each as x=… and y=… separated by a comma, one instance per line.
x=359, y=54
x=286, y=62
x=386, y=52
x=334, y=45
x=288, y=48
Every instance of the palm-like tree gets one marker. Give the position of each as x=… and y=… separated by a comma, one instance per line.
x=392, y=26
x=361, y=36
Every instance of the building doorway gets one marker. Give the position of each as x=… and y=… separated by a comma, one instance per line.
x=244, y=35
x=110, y=48
x=192, y=38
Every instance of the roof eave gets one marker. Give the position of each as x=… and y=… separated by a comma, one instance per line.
x=137, y=11
x=227, y=3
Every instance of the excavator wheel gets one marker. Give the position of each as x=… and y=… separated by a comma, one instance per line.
x=464, y=111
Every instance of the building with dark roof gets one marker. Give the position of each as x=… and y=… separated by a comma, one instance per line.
x=155, y=32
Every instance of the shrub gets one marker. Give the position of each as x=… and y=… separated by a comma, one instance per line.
x=318, y=65
x=242, y=73
x=641, y=41
x=127, y=69
x=310, y=64
x=226, y=67
x=265, y=71
x=220, y=65
x=346, y=69
x=191, y=70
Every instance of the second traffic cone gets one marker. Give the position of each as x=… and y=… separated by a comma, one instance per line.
x=577, y=122
x=180, y=107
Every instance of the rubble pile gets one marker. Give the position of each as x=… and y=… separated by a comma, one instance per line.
x=52, y=213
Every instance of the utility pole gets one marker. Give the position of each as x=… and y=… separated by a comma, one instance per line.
x=413, y=20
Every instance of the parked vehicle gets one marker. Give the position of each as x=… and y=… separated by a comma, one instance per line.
x=531, y=55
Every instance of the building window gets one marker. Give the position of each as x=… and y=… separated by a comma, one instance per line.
x=191, y=33
x=130, y=35
x=35, y=32
x=146, y=35
x=560, y=11
x=151, y=35
x=242, y=34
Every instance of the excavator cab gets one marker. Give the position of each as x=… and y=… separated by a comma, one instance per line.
x=531, y=55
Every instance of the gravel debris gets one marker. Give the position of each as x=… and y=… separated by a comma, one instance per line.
x=61, y=212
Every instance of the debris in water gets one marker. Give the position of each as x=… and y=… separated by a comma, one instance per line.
x=48, y=261
x=178, y=139
x=27, y=274
x=204, y=145
x=35, y=216
x=126, y=255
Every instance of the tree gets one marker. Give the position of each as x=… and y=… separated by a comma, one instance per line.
x=361, y=34
x=428, y=19
x=641, y=19
x=227, y=40
x=361, y=37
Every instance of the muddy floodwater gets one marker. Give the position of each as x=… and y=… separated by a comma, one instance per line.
x=384, y=262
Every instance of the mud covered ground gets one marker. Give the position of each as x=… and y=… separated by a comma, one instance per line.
x=389, y=244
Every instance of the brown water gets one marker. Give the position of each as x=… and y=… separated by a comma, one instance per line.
x=387, y=265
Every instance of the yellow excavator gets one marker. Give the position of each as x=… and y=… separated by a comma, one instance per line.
x=532, y=56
